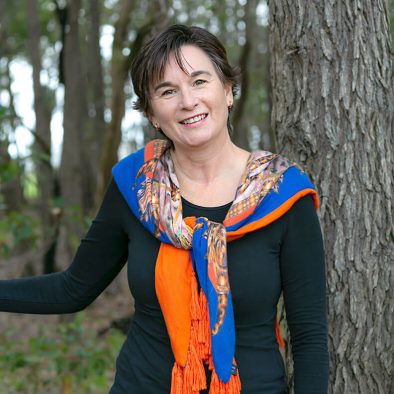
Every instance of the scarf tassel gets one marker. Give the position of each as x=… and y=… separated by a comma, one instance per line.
x=231, y=387
x=191, y=378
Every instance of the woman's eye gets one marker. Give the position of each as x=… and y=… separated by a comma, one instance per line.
x=199, y=82
x=168, y=92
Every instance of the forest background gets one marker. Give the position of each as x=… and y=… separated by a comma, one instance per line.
x=317, y=86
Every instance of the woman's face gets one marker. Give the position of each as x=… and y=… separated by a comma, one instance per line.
x=191, y=108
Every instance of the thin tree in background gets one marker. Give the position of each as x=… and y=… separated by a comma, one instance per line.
x=42, y=144
x=94, y=133
x=11, y=191
x=119, y=67
x=75, y=172
x=333, y=106
x=240, y=134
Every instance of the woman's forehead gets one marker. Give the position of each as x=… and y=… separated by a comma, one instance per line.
x=186, y=60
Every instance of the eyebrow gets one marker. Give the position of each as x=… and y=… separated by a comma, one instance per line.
x=191, y=75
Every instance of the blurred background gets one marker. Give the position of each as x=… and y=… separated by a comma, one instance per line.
x=66, y=112
x=66, y=118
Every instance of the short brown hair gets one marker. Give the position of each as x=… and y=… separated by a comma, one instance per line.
x=148, y=65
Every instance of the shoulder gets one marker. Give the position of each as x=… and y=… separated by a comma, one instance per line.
x=275, y=162
x=290, y=181
x=131, y=164
x=124, y=175
x=128, y=165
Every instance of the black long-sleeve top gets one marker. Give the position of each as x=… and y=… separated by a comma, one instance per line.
x=286, y=255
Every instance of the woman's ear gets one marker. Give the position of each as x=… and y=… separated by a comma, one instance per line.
x=152, y=120
x=228, y=89
x=154, y=123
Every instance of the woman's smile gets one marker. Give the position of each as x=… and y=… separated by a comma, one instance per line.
x=195, y=120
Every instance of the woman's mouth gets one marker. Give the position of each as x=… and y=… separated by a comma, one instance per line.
x=194, y=119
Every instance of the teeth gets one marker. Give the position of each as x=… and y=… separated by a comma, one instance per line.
x=194, y=120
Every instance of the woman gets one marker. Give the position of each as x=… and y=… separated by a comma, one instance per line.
x=212, y=234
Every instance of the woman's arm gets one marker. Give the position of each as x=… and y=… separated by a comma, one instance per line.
x=99, y=258
x=304, y=289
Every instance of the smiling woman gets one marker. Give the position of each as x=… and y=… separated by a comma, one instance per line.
x=212, y=235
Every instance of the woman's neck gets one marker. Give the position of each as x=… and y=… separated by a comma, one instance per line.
x=209, y=177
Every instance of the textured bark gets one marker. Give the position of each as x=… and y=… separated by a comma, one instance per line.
x=333, y=110
x=270, y=132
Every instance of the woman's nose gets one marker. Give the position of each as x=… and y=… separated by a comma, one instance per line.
x=188, y=99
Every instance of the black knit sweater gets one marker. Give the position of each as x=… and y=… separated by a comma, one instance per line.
x=285, y=256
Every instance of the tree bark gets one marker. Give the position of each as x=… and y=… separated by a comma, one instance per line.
x=269, y=137
x=333, y=105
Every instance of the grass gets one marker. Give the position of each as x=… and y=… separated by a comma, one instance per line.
x=74, y=360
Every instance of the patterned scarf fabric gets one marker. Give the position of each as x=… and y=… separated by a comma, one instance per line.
x=193, y=251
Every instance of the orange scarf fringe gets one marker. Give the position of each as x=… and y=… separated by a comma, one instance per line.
x=191, y=378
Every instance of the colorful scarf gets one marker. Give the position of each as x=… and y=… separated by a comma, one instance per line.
x=193, y=251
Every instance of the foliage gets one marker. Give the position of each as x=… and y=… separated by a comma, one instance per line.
x=15, y=26
x=75, y=360
x=8, y=171
x=15, y=229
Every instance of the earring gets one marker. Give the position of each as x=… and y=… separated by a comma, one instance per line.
x=156, y=126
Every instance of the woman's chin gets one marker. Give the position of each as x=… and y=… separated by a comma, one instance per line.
x=199, y=140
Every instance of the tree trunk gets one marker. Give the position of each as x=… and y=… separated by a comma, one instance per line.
x=73, y=170
x=333, y=101
x=268, y=137
x=109, y=155
x=96, y=128
x=42, y=144
x=240, y=133
x=12, y=190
